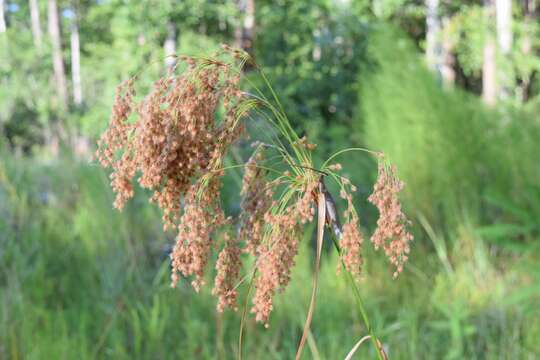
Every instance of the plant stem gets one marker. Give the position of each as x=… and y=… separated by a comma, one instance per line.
x=380, y=352
x=347, y=150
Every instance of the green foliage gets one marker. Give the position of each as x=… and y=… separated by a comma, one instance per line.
x=453, y=153
x=81, y=280
x=312, y=64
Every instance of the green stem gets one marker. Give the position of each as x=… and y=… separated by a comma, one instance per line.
x=347, y=150
x=360, y=304
x=244, y=314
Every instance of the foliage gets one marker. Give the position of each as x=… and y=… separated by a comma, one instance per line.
x=452, y=152
x=82, y=280
x=79, y=280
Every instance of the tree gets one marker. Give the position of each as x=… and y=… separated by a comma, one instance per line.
x=489, y=67
x=169, y=45
x=36, y=25
x=448, y=58
x=504, y=42
x=529, y=10
x=2, y=17
x=438, y=47
x=58, y=61
x=75, y=60
x=433, y=35
x=245, y=32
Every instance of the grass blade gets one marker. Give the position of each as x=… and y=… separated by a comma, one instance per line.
x=321, y=216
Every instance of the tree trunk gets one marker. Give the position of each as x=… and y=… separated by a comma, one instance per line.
x=245, y=33
x=438, y=47
x=36, y=25
x=169, y=46
x=504, y=41
x=433, y=35
x=489, y=67
x=76, y=63
x=529, y=10
x=2, y=16
x=448, y=60
x=58, y=62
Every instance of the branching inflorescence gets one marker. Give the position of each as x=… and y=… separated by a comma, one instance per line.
x=175, y=139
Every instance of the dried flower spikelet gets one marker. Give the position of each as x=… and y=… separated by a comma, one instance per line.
x=335, y=167
x=176, y=137
x=228, y=269
x=202, y=216
x=305, y=206
x=391, y=233
x=351, y=240
x=306, y=144
x=256, y=200
x=114, y=140
x=275, y=261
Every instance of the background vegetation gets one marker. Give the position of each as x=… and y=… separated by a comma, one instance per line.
x=435, y=85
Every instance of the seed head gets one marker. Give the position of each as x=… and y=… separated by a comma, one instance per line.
x=391, y=233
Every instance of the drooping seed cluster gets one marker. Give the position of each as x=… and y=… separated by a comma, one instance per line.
x=276, y=255
x=176, y=142
x=116, y=139
x=257, y=196
x=201, y=217
x=176, y=137
x=228, y=267
x=351, y=239
x=275, y=261
x=305, y=208
x=391, y=233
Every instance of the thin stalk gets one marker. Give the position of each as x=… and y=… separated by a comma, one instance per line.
x=347, y=150
x=244, y=314
x=285, y=121
x=321, y=216
x=353, y=350
x=380, y=352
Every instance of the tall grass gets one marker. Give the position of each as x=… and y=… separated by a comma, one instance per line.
x=80, y=280
x=460, y=160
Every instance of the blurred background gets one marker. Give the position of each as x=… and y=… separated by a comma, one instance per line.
x=449, y=90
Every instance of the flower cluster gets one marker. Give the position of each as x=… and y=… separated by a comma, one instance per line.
x=176, y=138
x=116, y=139
x=228, y=267
x=351, y=239
x=201, y=217
x=391, y=233
x=275, y=261
x=257, y=196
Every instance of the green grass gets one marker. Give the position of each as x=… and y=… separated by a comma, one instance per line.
x=80, y=280
x=460, y=160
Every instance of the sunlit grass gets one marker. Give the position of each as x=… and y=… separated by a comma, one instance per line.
x=79, y=280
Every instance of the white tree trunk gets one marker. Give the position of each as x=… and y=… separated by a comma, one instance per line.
x=58, y=62
x=448, y=59
x=433, y=35
x=489, y=73
x=438, y=48
x=36, y=24
x=504, y=25
x=529, y=9
x=169, y=46
x=2, y=16
x=245, y=33
x=504, y=41
x=489, y=67
x=76, y=63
